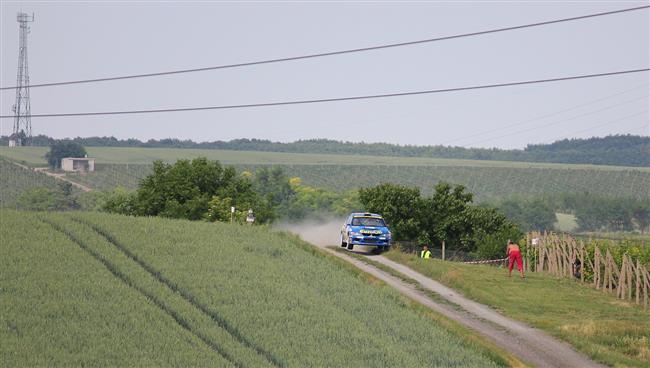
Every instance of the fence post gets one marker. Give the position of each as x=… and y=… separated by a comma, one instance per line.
x=638, y=280
x=597, y=257
x=443, y=250
x=630, y=271
x=620, y=292
x=583, y=265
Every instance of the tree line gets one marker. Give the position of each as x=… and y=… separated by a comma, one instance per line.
x=621, y=150
x=592, y=212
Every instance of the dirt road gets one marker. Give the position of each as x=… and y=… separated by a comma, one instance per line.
x=56, y=176
x=62, y=177
x=526, y=343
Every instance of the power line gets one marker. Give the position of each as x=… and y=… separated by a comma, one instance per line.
x=335, y=99
x=559, y=121
x=644, y=127
x=542, y=117
x=551, y=124
x=332, y=53
x=596, y=127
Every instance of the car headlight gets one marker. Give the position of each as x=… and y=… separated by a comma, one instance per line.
x=354, y=233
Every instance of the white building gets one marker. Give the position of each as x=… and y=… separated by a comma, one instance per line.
x=14, y=140
x=85, y=164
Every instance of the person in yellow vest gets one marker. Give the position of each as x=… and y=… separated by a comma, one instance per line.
x=425, y=253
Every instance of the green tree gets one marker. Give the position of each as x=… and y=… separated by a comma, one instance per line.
x=443, y=214
x=62, y=149
x=641, y=214
x=274, y=185
x=193, y=190
x=537, y=214
x=399, y=205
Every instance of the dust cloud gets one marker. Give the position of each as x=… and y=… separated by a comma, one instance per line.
x=318, y=232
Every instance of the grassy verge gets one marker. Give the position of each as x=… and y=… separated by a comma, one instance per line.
x=609, y=330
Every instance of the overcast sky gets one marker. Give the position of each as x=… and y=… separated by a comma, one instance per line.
x=76, y=40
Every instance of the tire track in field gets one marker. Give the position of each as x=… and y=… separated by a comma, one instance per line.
x=220, y=320
x=157, y=302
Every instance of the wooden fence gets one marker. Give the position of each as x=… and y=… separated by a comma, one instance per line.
x=565, y=256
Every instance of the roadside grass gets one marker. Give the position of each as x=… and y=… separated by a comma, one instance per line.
x=609, y=330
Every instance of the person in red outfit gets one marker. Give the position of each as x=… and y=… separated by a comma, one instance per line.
x=514, y=255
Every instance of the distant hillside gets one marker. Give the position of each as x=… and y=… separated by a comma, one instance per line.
x=620, y=150
x=126, y=166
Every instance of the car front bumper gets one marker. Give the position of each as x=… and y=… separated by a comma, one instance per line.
x=370, y=242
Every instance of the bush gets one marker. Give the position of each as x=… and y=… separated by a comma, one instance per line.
x=493, y=245
x=120, y=201
x=46, y=199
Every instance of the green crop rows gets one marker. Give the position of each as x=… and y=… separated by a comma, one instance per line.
x=123, y=155
x=485, y=182
x=109, y=176
x=487, y=179
x=14, y=180
x=90, y=289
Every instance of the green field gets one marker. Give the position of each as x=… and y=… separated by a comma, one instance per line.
x=124, y=155
x=487, y=179
x=89, y=289
x=609, y=330
x=15, y=180
x=566, y=222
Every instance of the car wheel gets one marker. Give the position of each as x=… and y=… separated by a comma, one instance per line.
x=350, y=246
x=343, y=244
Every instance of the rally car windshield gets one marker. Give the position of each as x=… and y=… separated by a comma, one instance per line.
x=367, y=221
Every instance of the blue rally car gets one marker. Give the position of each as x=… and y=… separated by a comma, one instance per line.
x=365, y=232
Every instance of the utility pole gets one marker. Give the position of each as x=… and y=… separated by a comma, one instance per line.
x=22, y=133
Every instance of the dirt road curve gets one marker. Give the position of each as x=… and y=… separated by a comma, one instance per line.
x=528, y=344
x=54, y=175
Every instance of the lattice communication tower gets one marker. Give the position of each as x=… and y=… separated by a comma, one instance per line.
x=22, y=132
